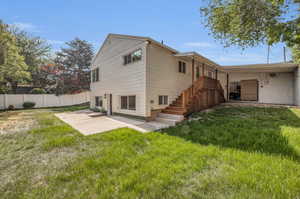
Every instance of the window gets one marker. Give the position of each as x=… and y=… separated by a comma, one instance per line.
x=182, y=66
x=124, y=102
x=163, y=100
x=98, y=101
x=128, y=102
x=131, y=104
x=133, y=57
x=95, y=75
x=197, y=72
x=210, y=74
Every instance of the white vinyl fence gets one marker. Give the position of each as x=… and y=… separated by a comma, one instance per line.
x=43, y=100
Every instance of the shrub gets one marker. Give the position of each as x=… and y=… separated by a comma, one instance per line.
x=38, y=91
x=11, y=107
x=3, y=90
x=95, y=109
x=28, y=104
x=102, y=110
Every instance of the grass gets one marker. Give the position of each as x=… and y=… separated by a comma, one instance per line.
x=228, y=153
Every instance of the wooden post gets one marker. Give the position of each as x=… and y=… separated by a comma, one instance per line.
x=216, y=74
x=227, y=87
x=193, y=74
x=183, y=99
x=203, y=65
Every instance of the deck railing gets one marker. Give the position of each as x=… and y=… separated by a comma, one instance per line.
x=204, y=93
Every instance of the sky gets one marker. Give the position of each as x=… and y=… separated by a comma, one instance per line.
x=176, y=22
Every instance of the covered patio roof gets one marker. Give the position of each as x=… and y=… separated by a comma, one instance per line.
x=275, y=67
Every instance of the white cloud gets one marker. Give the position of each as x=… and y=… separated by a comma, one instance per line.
x=199, y=44
x=26, y=26
x=53, y=42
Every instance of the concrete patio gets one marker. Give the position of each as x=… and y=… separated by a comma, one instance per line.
x=87, y=124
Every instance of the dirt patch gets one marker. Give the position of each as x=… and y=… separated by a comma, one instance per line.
x=11, y=122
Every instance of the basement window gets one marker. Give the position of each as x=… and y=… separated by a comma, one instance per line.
x=128, y=102
x=163, y=100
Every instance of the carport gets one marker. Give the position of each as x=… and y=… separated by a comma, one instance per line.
x=264, y=83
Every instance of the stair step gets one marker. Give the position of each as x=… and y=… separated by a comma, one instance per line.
x=173, y=112
x=177, y=104
x=168, y=121
x=175, y=108
x=171, y=116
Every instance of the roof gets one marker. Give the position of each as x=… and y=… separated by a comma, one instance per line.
x=144, y=38
x=177, y=53
x=196, y=56
x=274, y=67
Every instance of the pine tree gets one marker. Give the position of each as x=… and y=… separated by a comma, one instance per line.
x=74, y=62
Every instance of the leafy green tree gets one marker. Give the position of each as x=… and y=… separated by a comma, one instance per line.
x=13, y=69
x=74, y=63
x=248, y=23
x=296, y=53
x=36, y=53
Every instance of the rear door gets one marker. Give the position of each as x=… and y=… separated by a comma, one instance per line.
x=249, y=90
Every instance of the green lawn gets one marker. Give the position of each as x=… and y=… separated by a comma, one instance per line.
x=228, y=153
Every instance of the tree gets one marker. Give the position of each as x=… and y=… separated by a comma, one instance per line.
x=35, y=51
x=74, y=63
x=248, y=23
x=296, y=53
x=13, y=69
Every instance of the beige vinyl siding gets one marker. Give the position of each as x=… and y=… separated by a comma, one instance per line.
x=164, y=77
x=119, y=79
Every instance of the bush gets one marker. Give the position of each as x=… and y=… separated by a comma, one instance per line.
x=4, y=90
x=38, y=91
x=95, y=109
x=102, y=110
x=11, y=107
x=28, y=104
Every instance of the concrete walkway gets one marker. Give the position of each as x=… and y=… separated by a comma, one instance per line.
x=85, y=123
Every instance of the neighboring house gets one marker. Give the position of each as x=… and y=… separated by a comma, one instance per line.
x=139, y=76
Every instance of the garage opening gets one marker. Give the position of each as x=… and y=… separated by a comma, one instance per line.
x=245, y=90
x=235, y=91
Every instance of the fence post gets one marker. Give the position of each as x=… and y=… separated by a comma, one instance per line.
x=4, y=100
x=43, y=100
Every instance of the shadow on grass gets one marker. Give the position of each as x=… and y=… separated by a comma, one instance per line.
x=252, y=129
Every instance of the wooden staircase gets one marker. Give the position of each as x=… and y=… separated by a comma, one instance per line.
x=204, y=93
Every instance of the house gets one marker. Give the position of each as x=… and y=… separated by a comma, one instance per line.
x=138, y=76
